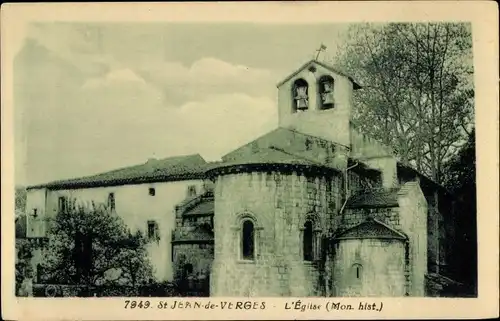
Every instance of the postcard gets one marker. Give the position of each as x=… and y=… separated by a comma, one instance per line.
x=274, y=160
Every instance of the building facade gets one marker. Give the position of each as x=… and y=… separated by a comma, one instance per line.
x=313, y=208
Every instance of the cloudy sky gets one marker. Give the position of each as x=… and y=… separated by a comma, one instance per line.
x=94, y=97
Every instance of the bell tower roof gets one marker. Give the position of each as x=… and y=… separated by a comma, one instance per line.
x=312, y=64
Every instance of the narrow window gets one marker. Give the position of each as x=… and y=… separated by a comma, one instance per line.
x=152, y=230
x=357, y=272
x=62, y=204
x=308, y=241
x=35, y=212
x=248, y=240
x=191, y=190
x=111, y=201
x=326, y=92
x=300, y=95
x=152, y=191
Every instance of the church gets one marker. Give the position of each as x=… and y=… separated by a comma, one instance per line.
x=314, y=208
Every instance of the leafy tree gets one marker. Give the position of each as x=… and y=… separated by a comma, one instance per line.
x=460, y=179
x=23, y=262
x=417, y=91
x=20, y=198
x=93, y=246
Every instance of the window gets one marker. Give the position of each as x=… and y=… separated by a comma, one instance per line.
x=111, y=201
x=191, y=190
x=35, y=212
x=357, y=272
x=62, y=204
x=248, y=240
x=152, y=191
x=326, y=92
x=300, y=95
x=308, y=246
x=152, y=230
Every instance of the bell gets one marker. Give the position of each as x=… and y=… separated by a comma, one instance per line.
x=302, y=104
x=327, y=98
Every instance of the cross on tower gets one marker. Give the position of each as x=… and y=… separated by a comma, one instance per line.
x=318, y=51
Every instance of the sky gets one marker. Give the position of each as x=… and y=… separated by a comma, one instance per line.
x=89, y=98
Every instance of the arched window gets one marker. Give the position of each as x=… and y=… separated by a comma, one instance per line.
x=300, y=95
x=248, y=240
x=308, y=237
x=326, y=92
x=357, y=272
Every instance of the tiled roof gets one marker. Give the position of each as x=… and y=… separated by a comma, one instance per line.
x=167, y=169
x=268, y=157
x=369, y=230
x=203, y=208
x=374, y=198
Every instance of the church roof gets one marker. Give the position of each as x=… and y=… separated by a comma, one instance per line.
x=371, y=229
x=270, y=157
x=154, y=170
x=205, y=207
x=374, y=198
x=324, y=65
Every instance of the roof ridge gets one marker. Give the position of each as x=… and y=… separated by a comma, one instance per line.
x=389, y=227
x=368, y=221
x=322, y=64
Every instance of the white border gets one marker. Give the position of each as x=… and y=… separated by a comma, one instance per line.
x=484, y=18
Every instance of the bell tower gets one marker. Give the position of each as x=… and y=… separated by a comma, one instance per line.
x=317, y=100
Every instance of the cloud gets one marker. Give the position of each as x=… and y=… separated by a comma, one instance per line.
x=205, y=77
x=125, y=113
x=119, y=121
x=113, y=77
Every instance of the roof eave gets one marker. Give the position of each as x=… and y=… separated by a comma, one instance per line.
x=119, y=182
x=390, y=205
x=369, y=238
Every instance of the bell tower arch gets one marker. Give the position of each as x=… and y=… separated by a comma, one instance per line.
x=317, y=99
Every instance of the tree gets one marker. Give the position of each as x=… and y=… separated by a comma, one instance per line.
x=93, y=246
x=460, y=179
x=417, y=91
x=23, y=262
x=20, y=198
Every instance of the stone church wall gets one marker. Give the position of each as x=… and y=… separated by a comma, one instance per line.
x=381, y=268
x=279, y=204
x=413, y=221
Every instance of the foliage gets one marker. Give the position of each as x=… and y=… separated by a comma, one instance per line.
x=417, y=91
x=92, y=245
x=23, y=262
x=20, y=198
x=461, y=180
